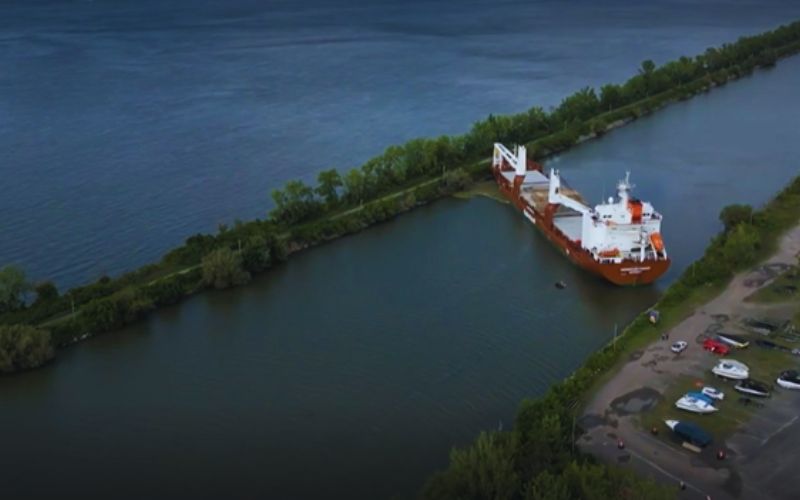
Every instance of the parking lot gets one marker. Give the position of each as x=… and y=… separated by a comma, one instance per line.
x=759, y=438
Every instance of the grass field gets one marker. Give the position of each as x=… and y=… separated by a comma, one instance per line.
x=786, y=287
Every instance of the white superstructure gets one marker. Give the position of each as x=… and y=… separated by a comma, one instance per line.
x=622, y=228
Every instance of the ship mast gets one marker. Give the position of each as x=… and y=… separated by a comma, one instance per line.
x=624, y=187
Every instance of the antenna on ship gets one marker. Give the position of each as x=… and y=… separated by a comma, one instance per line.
x=624, y=186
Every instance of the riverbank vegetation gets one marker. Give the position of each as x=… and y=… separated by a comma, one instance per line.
x=402, y=178
x=538, y=459
x=23, y=347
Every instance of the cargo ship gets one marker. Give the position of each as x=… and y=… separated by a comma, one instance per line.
x=619, y=240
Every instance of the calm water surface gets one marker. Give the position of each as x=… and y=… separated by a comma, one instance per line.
x=127, y=126
x=354, y=368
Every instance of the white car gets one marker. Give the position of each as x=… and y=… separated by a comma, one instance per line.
x=679, y=346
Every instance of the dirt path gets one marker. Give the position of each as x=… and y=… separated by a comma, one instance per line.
x=757, y=450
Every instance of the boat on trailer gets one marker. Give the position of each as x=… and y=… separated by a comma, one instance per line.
x=733, y=340
x=695, y=405
x=789, y=379
x=689, y=432
x=619, y=239
x=713, y=392
x=731, y=369
x=701, y=395
x=753, y=388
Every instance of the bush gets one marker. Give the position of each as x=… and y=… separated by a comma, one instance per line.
x=13, y=287
x=222, y=268
x=23, y=347
x=45, y=292
x=167, y=291
x=733, y=215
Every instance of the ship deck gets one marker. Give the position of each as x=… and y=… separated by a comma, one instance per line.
x=569, y=224
x=532, y=177
x=536, y=194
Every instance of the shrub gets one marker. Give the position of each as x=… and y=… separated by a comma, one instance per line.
x=222, y=268
x=23, y=347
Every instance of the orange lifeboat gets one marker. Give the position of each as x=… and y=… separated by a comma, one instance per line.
x=614, y=252
x=658, y=243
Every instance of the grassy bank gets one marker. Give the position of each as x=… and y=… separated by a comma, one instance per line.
x=399, y=180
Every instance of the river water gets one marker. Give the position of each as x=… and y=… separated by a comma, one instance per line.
x=126, y=127
x=352, y=370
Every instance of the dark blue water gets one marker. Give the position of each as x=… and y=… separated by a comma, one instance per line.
x=127, y=126
x=350, y=371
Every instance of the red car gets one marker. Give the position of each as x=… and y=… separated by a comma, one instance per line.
x=716, y=347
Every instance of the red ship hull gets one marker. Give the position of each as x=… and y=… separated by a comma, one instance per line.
x=625, y=273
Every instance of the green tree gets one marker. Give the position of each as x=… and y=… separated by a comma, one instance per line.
x=222, y=268
x=102, y=315
x=46, y=291
x=579, y=106
x=733, y=215
x=741, y=244
x=354, y=184
x=610, y=96
x=23, y=347
x=295, y=203
x=329, y=181
x=13, y=287
x=256, y=255
x=548, y=486
x=481, y=471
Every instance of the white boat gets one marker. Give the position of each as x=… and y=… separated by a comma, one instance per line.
x=790, y=379
x=733, y=340
x=695, y=405
x=732, y=369
x=713, y=393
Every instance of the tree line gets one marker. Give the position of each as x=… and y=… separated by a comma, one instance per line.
x=586, y=111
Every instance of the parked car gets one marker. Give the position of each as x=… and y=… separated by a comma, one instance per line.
x=716, y=347
x=679, y=346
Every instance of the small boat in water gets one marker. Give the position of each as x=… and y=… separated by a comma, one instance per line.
x=561, y=285
x=733, y=340
x=695, y=405
x=731, y=369
x=690, y=432
x=753, y=388
x=713, y=393
x=790, y=379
